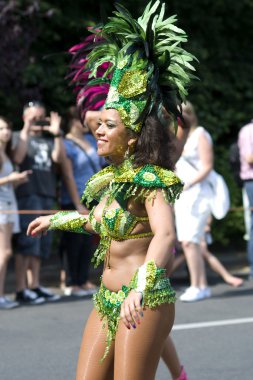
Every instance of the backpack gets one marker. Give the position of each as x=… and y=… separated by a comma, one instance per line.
x=235, y=164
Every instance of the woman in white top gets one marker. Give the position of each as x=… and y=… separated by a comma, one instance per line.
x=192, y=210
x=9, y=222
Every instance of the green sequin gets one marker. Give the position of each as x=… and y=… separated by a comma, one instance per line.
x=116, y=224
x=127, y=93
x=70, y=221
x=108, y=303
x=143, y=183
x=132, y=83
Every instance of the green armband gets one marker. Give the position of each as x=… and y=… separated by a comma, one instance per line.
x=145, y=277
x=70, y=221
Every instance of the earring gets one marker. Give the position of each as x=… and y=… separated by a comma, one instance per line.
x=127, y=153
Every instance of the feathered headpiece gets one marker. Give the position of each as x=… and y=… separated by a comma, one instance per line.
x=146, y=67
x=89, y=96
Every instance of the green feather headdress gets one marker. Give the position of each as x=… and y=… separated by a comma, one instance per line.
x=148, y=67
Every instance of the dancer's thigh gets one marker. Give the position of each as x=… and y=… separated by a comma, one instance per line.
x=92, y=350
x=137, y=351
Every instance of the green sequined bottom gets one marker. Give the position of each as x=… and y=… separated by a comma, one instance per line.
x=108, y=303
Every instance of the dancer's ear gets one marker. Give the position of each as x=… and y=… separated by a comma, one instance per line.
x=131, y=144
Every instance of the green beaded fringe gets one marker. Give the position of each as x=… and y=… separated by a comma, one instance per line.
x=108, y=303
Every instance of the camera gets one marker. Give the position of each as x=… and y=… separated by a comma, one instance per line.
x=42, y=123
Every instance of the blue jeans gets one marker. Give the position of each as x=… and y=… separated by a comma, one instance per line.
x=248, y=185
x=26, y=245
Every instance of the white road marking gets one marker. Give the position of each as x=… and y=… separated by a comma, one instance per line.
x=225, y=322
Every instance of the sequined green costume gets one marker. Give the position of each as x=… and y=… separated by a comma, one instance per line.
x=148, y=71
x=121, y=183
x=108, y=303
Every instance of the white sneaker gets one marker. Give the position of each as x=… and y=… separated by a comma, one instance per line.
x=6, y=303
x=193, y=294
x=206, y=292
x=47, y=294
x=67, y=291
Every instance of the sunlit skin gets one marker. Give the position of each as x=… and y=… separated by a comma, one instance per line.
x=113, y=140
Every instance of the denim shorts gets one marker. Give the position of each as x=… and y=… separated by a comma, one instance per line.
x=8, y=214
x=26, y=245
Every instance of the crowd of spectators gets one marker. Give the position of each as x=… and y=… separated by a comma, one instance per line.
x=45, y=166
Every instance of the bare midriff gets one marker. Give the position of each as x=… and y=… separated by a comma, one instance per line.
x=125, y=258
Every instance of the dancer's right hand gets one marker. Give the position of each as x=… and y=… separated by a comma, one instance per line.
x=39, y=226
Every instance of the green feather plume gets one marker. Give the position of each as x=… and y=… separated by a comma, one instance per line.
x=154, y=39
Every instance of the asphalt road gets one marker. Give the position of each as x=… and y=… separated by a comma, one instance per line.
x=42, y=342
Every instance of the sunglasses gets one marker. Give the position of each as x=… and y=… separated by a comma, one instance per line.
x=34, y=103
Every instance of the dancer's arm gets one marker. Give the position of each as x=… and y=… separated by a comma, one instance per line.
x=162, y=225
x=161, y=222
x=63, y=220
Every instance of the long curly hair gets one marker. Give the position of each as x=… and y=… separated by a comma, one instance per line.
x=155, y=144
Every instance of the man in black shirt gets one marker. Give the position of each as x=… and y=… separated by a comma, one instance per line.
x=38, y=146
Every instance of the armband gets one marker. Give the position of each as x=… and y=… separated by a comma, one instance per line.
x=70, y=221
x=144, y=278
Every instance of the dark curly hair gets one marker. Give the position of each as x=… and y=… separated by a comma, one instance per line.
x=154, y=144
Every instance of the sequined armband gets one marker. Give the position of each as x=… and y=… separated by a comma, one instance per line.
x=144, y=278
x=70, y=221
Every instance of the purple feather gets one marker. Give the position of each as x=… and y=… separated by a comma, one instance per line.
x=88, y=97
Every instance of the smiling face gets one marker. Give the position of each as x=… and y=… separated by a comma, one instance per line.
x=5, y=132
x=113, y=138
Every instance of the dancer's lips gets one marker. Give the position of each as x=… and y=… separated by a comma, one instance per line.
x=101, y=141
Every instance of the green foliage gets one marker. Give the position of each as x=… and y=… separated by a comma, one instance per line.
x=220, y=36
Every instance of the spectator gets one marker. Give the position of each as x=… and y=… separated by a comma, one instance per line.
x=192, y=209
x=37, y=147
x=211, y=260
x=245, y=143
x=82, y=163
x=9, y=221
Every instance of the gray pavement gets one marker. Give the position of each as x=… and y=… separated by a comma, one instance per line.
x=42, y=342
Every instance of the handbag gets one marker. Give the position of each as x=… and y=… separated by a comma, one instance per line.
x=220, y=200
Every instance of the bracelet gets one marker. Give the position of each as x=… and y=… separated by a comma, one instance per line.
x=144, y=278
x=58, y=135
x=70, y=221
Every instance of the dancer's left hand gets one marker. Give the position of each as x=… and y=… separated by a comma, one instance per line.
x=131, y=309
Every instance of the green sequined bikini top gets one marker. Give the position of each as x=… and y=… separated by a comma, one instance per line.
x=118, y=224
x=121, y=183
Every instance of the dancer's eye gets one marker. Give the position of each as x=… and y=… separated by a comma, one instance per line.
x=111, y=125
